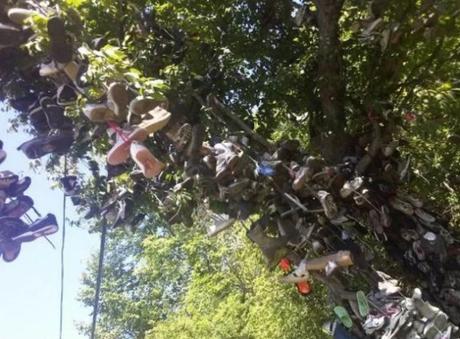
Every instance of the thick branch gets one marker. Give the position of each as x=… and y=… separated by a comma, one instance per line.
x=331, y=86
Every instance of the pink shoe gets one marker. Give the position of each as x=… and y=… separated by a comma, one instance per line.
x=149, y=165
x=119, y=153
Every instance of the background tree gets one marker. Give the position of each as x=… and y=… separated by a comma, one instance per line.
x=318, y=71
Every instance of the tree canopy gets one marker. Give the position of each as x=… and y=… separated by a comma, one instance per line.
x=327, y=73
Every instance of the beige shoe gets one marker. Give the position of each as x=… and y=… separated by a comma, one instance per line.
x=49, y=69
x=118, y=100
x=71, y=69
x=159, y=119
x=19, y=15
x=140, y=106
x=98, y=113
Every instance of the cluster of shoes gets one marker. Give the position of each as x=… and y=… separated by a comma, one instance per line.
x=306, y=205
x=387, y=313
x=14, y=206
x=45, y=109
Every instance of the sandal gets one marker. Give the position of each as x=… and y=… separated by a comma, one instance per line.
x=343, y=316
x=363, y=305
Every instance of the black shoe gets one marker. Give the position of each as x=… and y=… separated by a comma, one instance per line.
x=10, y=36
x=40, y=146
x=10, y=250
x=17, y=207
x=2, y=155
x=93, y=210
x=60, y=48
x=7, y=178
x=115, y=171
x=11, y=227
x=55, y=115
x=69, y=183
x=37, y=118
x=66, y=95
x=19, y=187
x=39, y=228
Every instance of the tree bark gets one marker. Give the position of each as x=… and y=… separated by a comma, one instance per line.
x=332, y=139
x=331, y=85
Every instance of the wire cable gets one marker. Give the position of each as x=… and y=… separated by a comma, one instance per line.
x=61, y=306
x=99, y=278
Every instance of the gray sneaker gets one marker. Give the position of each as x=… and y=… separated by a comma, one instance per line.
x=327, y=202
x=401, y=206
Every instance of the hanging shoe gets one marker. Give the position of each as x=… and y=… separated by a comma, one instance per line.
x=343, y=316
x=220, y=223
x=19, y=187
x=10, y=36
x=66, y=95
x=119, y=153
x=11, y=227
x=40, y=146
x=73, y=72
x=159, y=119
x=423, y=307
x=2, y=155
x=183, y=137
x=93, y=210
x=123, y=210
x=373, y=323
x=147, y=162
x=401, y=206
x=303, y=175
x=69, y=183
x=118, y=100
x=363, y=304
x=115, y=171
x=7, y=178
x=329, y=206
x=273, y=249
x=44, y=226
x=141, y=106
x=49, y=69
x=37, y=118
x=55, y=115
x=10, y=250
x=303, y=288
x=425, y=216
x=60, y=47
x=16, y=208
x=3, y=197
x=300, y=274
x=351, y=186
x=99, y=113
x=20, y=15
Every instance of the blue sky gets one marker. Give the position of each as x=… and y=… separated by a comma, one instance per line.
x=30, y=285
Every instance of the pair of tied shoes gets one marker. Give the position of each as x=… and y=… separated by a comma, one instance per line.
x=129, y=143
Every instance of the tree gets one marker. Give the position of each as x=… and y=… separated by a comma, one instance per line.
x=343, y=77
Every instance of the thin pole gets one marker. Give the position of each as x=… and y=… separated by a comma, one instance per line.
x=99, y=279
x=64, y=203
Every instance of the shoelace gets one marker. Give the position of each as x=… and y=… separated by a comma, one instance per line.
x=114, y=126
